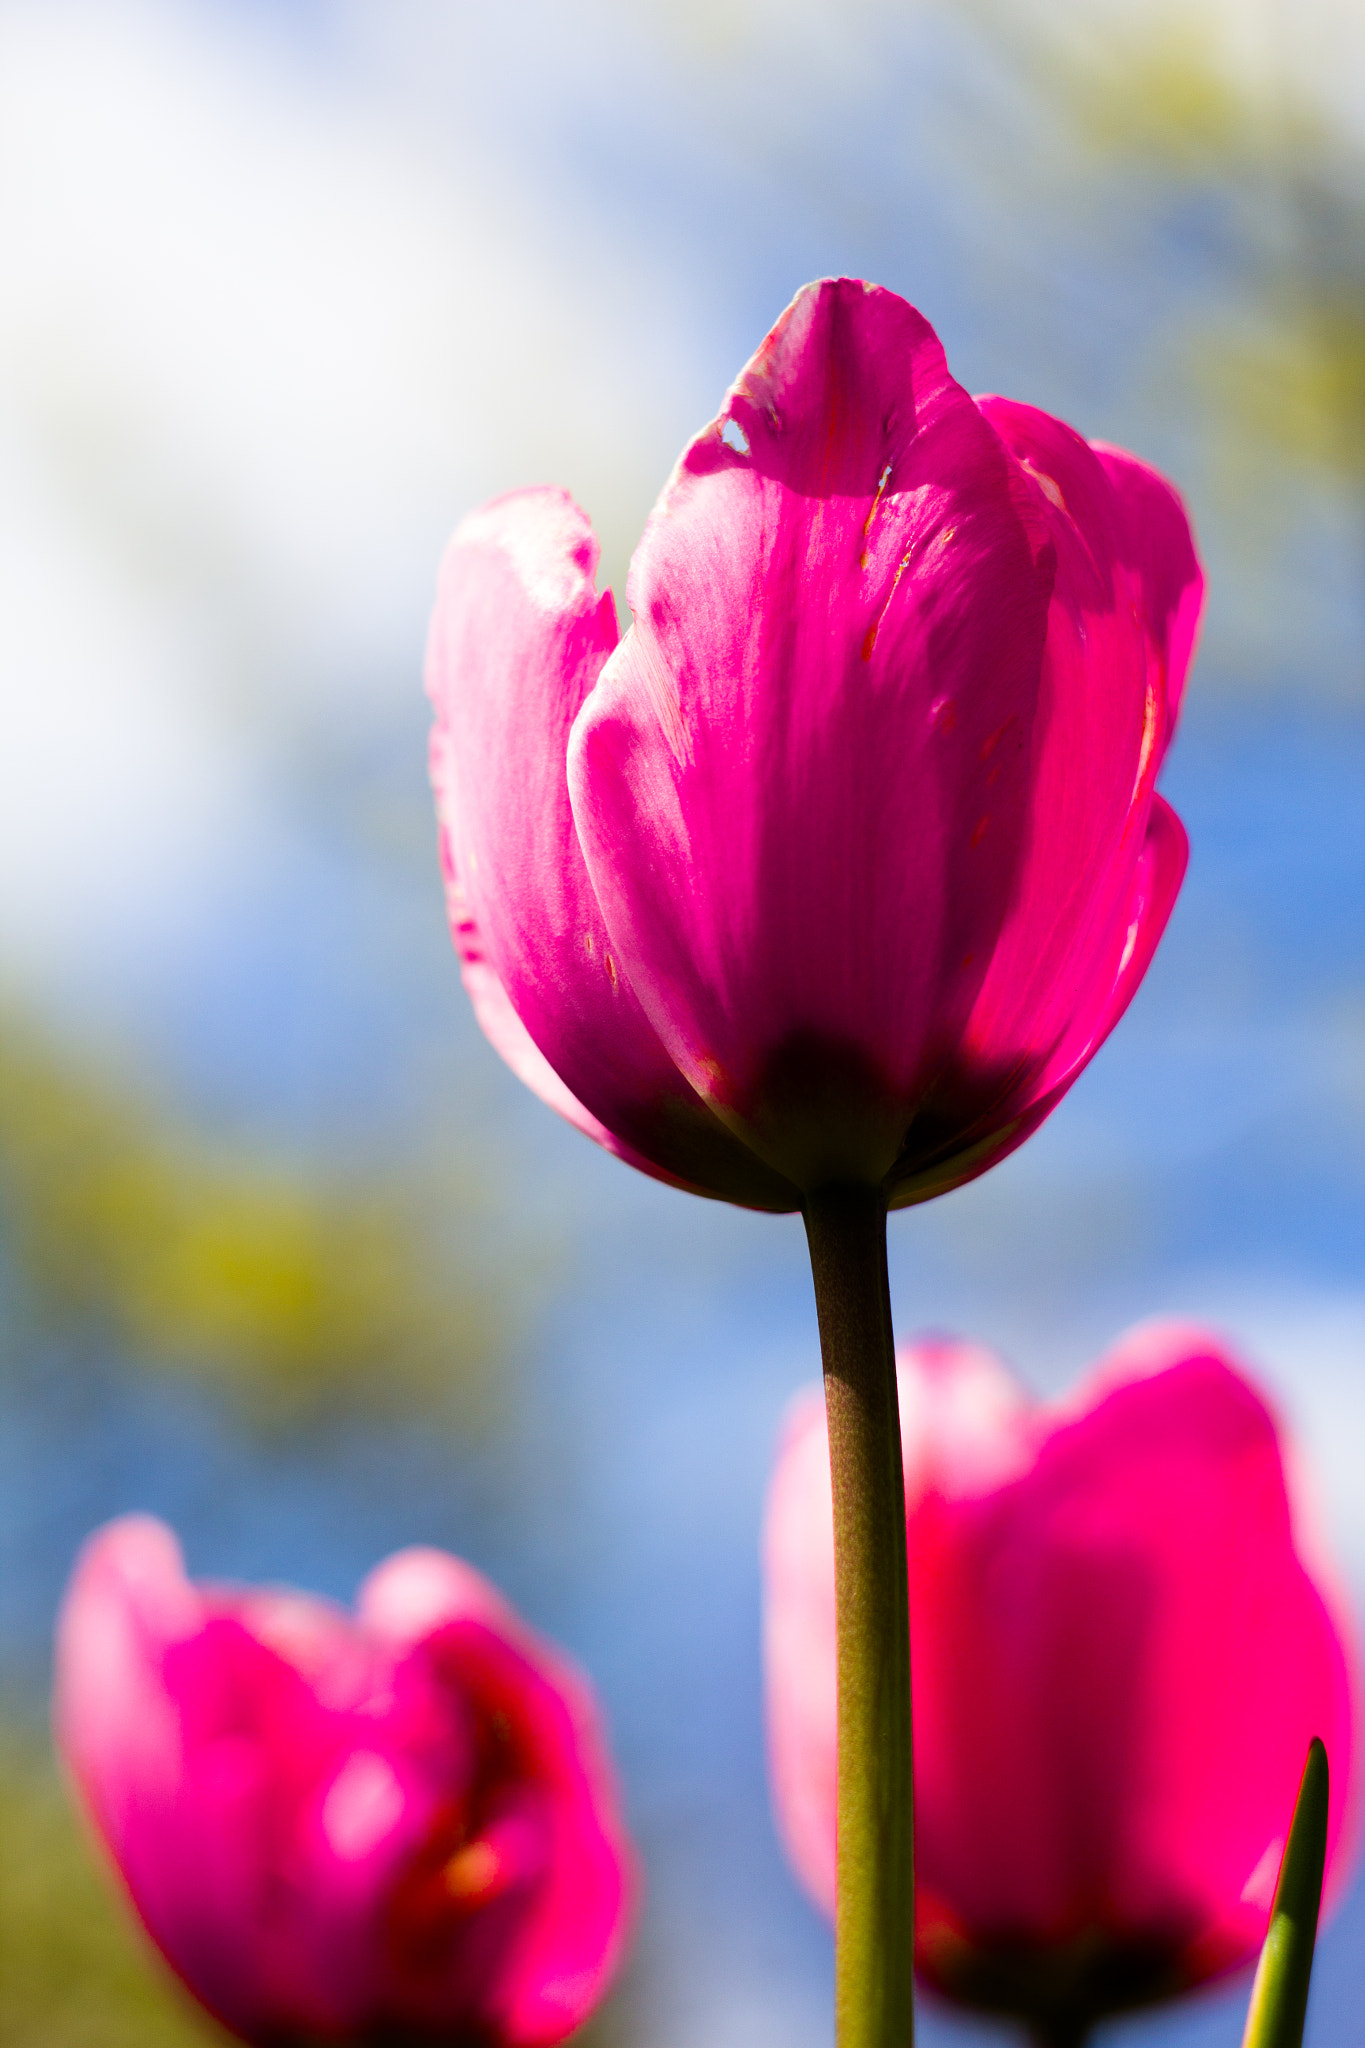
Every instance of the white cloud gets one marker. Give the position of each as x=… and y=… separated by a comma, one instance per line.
x=258, y=351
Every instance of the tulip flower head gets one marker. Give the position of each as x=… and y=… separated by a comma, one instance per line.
x=841, y=863
x=398, y=1826
x=1123, y=1639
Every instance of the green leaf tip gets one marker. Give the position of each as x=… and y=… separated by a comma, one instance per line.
x=1279, y=1996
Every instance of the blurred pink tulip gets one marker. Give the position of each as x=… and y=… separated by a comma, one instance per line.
x=1123, y=1638
x=841, y=864
x=397, y=1827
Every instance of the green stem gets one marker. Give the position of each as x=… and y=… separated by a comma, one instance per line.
x=875, y=1912
x=1279, y=1995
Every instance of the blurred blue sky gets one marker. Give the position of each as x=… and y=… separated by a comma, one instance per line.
x=291, y=286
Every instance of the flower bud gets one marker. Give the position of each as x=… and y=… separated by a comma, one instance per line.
x=844, y=860
x=1123, y=1638
x=398, y=1825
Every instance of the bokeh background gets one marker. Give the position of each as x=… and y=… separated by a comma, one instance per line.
x=288, y=1257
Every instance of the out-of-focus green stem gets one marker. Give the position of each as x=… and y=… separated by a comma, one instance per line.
x=1279, y=1996
x=875, y=1912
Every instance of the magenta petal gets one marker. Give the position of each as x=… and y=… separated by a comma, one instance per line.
x=128, y=1602
x=559, y=1834
x=802, y=780
x=1156, y=547
x=421, y=1589
x=1031, y=1089
x=159, y=1771
x=518, y=638
x=1133, y=939
x=798, y=1647
x=1104, y=856
x=492, y=1005
x=1095, y=754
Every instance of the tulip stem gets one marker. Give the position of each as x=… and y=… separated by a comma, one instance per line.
x=874, y=1915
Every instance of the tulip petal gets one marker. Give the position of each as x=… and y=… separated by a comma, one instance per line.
x=798, y=1640
x=492, y=1005
x=1156, y=547
x=421, y=1589
x=1030, y=1090
x=801, y=780
x=1104, y=857
x=1096, y=750
x=569, y=1939
x=518, y=638
x=1122, y=963
x=150, y=1780
x=129, y=1600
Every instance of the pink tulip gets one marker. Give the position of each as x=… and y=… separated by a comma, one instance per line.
x=843, y=861
x=399, y=1826
x=1123, y=1637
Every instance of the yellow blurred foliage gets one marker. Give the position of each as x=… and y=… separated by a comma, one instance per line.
x=1159, y=85
x=1298, y=388
x=75, y=1970
x=1161, y=92
x=292, y=1289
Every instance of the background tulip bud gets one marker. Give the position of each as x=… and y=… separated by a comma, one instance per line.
x=1123, y=1638
x=397, y=1826
x=840, y=865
